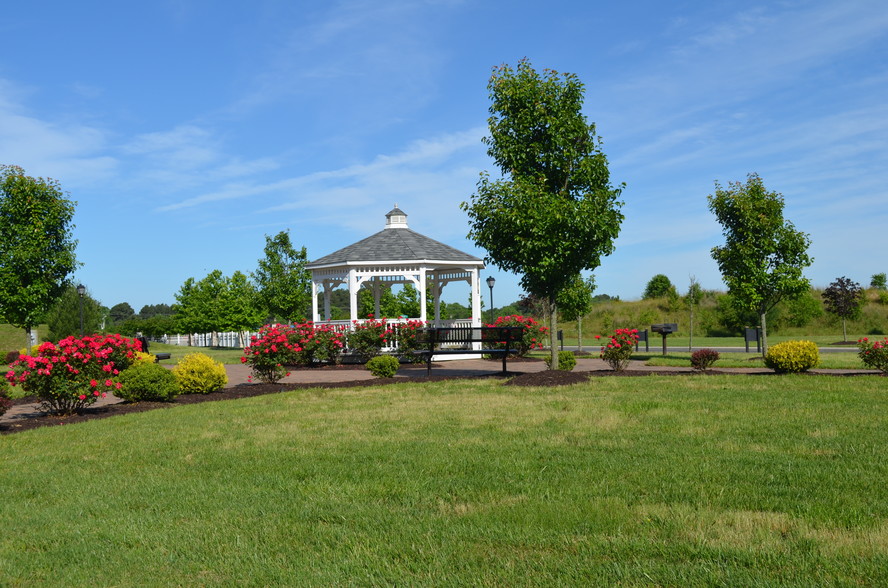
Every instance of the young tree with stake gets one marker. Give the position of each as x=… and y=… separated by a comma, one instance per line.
x=554, y=212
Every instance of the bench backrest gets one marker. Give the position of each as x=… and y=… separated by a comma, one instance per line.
x=469, y=334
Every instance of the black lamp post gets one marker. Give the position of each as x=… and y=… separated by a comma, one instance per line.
x=81, y=289
x=490, y=282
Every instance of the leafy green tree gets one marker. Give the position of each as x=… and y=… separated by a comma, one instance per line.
x=844, y=298
x=283, y=282
x=692, y=301
x=554, y=213
x=151, y=310
x=241, y=309
x=575, y=302
x=36, y=246
x=219, y=303
x=879, y=281
x=389, y=307
x=121, y=312
x=63, y=318
x=764, y=255
x=659, y=286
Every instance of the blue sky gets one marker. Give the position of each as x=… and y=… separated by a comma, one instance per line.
x=187, y=130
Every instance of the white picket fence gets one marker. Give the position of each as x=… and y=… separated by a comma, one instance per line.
x=235, y=339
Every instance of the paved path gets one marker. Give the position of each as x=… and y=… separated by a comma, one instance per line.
x=239, y=374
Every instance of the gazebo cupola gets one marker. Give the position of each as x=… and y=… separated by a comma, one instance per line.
x=395, y=255
x=396, y=219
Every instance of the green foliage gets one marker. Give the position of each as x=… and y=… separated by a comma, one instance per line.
x=800, y=310
x=36, y=246
x=197, y=373
x=873, y=354
x=120, y=313
x=567, y=361
x=389, y=306
x=617, y=351
x=793, y=356
x=763, y=256
x=5, y=402
x=383, y=366
x=284, y=285
x=879, y=281
x=658, y=287
x=883, y=298
x=63, y=318
x=148, y=381
x=218, y=303
x=703, y=359
x=554, y=213
x=575, y=300
x=845, y=299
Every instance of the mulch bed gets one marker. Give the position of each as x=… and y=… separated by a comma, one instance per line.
x=547, y=378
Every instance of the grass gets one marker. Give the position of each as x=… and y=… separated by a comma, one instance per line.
x=832, y=360
x=682, y=480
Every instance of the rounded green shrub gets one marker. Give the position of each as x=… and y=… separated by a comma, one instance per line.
x=147, y=381
x=199, y=374
x=793, y=356
x=567, y=361
x=383, y=366
x=5, y=402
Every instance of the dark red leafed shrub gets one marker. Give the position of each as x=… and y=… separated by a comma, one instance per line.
x=703, y=359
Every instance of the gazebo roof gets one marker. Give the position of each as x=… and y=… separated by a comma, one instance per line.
x=395, y=243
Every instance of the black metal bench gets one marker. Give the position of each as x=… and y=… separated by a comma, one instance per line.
x=460, y=340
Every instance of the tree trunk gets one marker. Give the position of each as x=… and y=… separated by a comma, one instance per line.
x=844, y=331
x=553, y=334
x=580, y=334
x=691, y=332
x=764, y=336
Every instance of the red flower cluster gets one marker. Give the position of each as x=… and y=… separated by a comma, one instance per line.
x=873, y=354
x=73, y=373
x=534, y=333
x=618, y=351
x=278, y=346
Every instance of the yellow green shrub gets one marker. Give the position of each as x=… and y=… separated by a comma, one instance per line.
x=199, y=374
x=793, y=356
x=142, y=357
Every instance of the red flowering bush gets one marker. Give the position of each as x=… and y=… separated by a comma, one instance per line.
x=270, y=352
x=72, y=374
x=874, y=354
x=279, y=346
x=318, y=344
x=369, y=337
x=618, y=351
x=5, y=402
x=404, y=337
x=532, y=338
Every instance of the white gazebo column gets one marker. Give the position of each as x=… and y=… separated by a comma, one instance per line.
x=421, y=286
x=476, y=297
x=353, y=294
x=438, y=287
x=315, y=315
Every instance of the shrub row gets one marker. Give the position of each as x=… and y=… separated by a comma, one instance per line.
x=75, y=372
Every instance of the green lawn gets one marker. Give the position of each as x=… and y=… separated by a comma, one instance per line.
x=679, y=481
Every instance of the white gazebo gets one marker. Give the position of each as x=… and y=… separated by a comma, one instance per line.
x=395, y=255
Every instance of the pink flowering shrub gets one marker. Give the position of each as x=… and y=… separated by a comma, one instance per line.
x=72, y=374
x=405, y=336
x=874, y=354
x=532, y=338
x=318, y=344
x=618, y=350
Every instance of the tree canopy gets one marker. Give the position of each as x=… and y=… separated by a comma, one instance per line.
x=37, y=250
x=660, y=286
x=283, y=282
x=844, y=298
x=554, y=212
x=764, y=256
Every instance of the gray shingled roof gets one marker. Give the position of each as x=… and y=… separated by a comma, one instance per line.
x=394, y=244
